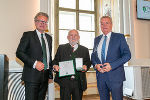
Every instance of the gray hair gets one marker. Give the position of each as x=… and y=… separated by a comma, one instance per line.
x=106, y=17
x=41, y=14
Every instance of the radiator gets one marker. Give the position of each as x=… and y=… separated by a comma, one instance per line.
x=15, y=87
x=16, y=90
x=145, y=74
x=137, y=82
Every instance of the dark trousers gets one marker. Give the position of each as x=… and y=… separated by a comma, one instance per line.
x=35, y=91
x=106, y=87
x=72, y=89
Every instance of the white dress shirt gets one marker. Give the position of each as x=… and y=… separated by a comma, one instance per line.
x=99, y=48
x=47, y=48
x=75, y=47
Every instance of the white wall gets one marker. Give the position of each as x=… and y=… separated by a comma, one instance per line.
x=16, y=16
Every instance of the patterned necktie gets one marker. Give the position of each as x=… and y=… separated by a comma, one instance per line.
x=44, y=52
x=72, y=49
x=103, y=50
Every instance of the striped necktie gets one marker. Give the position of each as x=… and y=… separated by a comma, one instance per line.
x=44, y=52
x=103, y=50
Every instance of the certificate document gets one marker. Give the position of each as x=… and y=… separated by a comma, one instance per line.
x=66, y=68
x=79, y=64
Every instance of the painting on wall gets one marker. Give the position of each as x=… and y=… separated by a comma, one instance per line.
x=107, y=7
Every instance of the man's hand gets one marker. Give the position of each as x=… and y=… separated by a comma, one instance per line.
x=39, y=66
x=84, y=67
x=99, y=68
x=106, y=67
x=56, y=68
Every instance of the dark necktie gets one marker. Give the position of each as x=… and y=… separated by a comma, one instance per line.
x=44, y=52
x=103, y=50
x=74, y=63
x=72, y=49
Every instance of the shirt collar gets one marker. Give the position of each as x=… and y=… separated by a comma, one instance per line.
x=75, y=46
x=108, y=35
x=38, y=33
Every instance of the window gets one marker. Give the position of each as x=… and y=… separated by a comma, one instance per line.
x=76, y=14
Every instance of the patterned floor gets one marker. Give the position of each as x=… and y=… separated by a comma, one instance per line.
x=94, y=97
x=89, y=97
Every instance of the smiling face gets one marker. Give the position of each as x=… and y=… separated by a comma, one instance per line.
x=41, y=23
x=73, y=37
x=106, y=25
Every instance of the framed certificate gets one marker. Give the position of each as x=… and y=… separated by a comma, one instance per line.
x=66, y=68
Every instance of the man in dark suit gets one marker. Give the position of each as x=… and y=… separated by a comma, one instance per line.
x=34, y=51
x=110, y=52
x=73, y=84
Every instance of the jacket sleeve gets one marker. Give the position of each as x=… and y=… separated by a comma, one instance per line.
x=57, y=57
x=93, y=55
x=22, y=50
x=87, y=60
x=50, y=72
x=50, y=62
x=125, y=54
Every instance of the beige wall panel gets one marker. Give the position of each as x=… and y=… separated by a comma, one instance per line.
x=15, y=18
x=141, y=36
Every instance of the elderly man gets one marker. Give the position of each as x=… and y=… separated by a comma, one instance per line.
x=72, y=85
x=34, y=51
x=110, y=52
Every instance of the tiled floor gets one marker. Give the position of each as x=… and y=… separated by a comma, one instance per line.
x=91, y=97
x=94, y=97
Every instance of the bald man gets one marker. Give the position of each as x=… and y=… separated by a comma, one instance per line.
x=72, y=85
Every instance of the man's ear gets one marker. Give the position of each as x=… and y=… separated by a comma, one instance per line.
x=79, y=38
x=68, y=37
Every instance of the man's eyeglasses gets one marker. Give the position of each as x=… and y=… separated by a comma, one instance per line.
x=41, y=21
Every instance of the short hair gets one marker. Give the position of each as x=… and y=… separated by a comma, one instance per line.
x=106, y=17
x=41, y=14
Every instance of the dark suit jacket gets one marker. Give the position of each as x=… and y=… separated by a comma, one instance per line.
x=118, y=53
x=30, y=50
x=64, y=53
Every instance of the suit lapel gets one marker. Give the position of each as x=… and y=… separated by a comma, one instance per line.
x=97, y=43
x=69, y=48
x=110, y=46
x=78, y=50
x=36, y=38
x=49, y=42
